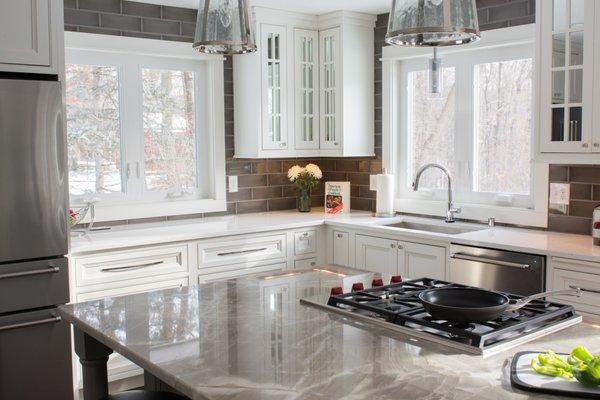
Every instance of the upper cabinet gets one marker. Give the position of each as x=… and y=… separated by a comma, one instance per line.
x=308, y=91
x=569, y=84
x=30, y=36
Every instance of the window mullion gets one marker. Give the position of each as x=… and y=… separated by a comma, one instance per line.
x=133, y=130
x=464, y=129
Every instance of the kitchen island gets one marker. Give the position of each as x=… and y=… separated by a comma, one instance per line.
x=251, y=339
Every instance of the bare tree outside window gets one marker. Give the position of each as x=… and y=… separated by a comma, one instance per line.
x=503, y=126
x=169, y=129
x=432, y=126
x=93, y=129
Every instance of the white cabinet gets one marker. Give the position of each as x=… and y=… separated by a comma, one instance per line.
x=391, y=257
x=377, y=255
x=274, y=43
x=29, y=35
x=569, y=88
x=421, y=261
x=306, y=79
x=564, y=273
x=341, y=248
x=308, y=91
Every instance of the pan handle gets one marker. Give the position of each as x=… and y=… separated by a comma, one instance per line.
x=526, y=300
x=468, y=257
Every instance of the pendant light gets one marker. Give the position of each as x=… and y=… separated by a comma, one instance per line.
x=223, y=27
x=433, y=23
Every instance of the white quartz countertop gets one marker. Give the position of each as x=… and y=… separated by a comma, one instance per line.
x=524, y=240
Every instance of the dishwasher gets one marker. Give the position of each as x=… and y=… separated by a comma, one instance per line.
x=499, y=270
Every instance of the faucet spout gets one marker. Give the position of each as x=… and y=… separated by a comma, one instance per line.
x=451, y=211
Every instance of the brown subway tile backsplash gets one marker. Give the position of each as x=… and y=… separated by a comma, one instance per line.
x=584, y=184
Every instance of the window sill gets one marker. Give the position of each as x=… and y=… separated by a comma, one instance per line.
x=477, y=212
x=125, y=211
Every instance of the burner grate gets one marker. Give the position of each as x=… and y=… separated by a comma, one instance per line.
x=399, y=304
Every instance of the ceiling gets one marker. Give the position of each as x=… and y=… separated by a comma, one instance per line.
x=306, y=6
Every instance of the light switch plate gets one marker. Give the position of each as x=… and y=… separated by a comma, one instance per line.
x=560, y=193
x=373, y=182
x=233, y=183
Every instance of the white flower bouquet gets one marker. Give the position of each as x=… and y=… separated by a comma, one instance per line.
x=306, y=178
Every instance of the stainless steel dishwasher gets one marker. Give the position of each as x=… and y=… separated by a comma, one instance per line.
x=499, y=270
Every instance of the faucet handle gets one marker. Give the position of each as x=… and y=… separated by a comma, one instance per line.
x=455, y=210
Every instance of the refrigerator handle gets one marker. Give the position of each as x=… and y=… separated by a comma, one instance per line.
x=32, y=323
x=49, y=270
x=128, y=171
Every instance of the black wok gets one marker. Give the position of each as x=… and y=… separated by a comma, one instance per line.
x=464, y=305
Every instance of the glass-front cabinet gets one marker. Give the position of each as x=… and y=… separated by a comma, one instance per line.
x=273, y=44
x=330, y=89
x=307, y=88
x=288, y=99
x=567, y=77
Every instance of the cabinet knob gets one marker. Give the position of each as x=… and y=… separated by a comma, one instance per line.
x=596, y=144
x=393, y=246
x=340, y=236
x=335, y=143
x=312, y=264
x=400, y=247
x=585, y=145
x=282, y=144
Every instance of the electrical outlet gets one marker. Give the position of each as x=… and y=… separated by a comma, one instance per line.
x=233, y=183
x=373, y=182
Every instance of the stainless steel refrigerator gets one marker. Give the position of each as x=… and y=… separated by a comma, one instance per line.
x=35, y=348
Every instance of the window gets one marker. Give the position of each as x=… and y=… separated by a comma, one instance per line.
x=94, y=132
x=480, y=127
x=144, y=127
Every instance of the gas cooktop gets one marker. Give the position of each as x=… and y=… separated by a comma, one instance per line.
x=397, y=306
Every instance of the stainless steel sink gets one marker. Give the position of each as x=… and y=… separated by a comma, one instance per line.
x=447, y=229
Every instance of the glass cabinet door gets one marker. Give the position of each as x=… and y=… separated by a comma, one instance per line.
x=330, y=127
x=306, y=62
x=569, y=38
x=273, y=56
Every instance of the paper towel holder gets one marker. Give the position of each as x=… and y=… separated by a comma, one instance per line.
x=391, y=214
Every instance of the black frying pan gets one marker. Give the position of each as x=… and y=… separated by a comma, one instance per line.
x=463, y=305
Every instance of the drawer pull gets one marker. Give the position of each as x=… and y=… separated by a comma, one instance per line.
x=49, y=270
x=32, y=323
x=584, y=289
x=230, y=253
x=467, y=257
x=131, y=267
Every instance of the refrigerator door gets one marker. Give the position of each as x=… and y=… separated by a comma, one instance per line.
x=33, y=173
x=35, y=356
x=33, y=284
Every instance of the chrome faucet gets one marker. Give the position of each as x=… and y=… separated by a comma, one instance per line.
x=415, y=185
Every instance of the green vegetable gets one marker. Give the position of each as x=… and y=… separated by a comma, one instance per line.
x=589, y=373
x=582, y=354
x=580, y=364
x=550, y=370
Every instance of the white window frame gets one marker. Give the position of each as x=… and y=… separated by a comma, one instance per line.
x=130, y=56
x=496, y=45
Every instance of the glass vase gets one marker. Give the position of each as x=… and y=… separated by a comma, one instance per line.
x=304, y=200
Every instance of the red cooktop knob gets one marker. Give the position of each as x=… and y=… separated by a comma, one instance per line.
x=396, y=279
x=335, y=291
x=357, y=287
x=377, y=282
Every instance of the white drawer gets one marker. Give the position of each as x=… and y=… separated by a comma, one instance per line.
x=305, y=242
x=241, y=250
x=237, y=271
x=131, y=264
x=305, y=263
x=588, y=302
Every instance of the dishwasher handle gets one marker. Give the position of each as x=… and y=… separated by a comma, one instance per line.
x=468, y=257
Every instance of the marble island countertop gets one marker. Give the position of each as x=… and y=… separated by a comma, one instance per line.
x=251, y=339
x=515, y=239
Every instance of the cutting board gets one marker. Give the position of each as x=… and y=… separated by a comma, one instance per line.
x=522, y=377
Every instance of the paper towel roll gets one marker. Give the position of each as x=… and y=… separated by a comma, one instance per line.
x=385, y=195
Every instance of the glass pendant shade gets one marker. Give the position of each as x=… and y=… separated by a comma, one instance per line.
x=432, y=23
x=223, y=27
